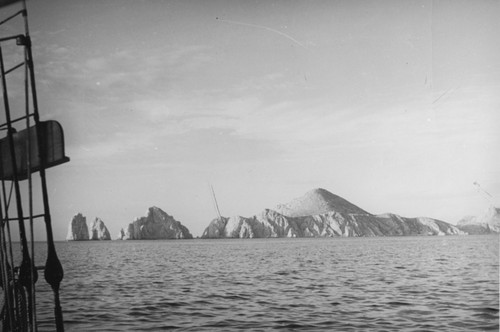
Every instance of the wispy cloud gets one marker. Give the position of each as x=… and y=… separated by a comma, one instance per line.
x=276, y=31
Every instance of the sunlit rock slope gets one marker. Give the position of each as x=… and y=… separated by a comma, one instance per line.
x=156, y=225
x=320, y=213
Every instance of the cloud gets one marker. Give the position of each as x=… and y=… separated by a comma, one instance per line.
x=119, y=76
x=187, y=99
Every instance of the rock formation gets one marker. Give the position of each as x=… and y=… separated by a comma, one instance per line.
x=98, y=230
x=121, y=235
x=487, y=223
x=320, y=213
x=77, y=230
x=155, y=226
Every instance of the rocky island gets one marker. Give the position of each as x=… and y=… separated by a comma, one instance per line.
x=156, y=225
x=319, y=213
x=79, y=231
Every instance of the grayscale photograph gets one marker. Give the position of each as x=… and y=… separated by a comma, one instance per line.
x=249, y=165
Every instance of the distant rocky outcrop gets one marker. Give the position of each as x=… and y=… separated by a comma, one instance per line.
x=156, y=225
x=320, y=213
x=98, y=230
x=121, y=235
x=486, y=223
x=77, y=230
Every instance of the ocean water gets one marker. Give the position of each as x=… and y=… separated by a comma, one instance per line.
x=337, y=284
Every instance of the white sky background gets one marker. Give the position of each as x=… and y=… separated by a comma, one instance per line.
x=393, y=105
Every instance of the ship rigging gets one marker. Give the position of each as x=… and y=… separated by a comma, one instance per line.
x=27, y=146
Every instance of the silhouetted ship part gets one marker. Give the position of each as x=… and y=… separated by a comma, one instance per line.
x=27, y=146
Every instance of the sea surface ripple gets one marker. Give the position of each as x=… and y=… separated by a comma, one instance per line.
x=339, y=284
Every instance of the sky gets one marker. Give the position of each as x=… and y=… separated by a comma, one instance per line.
x=392, y=105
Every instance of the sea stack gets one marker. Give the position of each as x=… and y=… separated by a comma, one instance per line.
x=78, y=230
x=156, y=225
x=98, y=230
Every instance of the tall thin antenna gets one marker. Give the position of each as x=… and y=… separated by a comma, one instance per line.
x=215, y=203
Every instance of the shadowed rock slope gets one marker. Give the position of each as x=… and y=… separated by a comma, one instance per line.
x=320, y=213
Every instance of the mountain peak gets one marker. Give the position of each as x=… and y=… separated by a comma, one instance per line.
x=318, y=201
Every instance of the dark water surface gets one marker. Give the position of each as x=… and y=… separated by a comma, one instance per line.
x=340, y=284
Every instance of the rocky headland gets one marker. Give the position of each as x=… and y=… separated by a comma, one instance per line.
x=320, y=213
x=156, y=225
x=486, y=223
x=79, y=231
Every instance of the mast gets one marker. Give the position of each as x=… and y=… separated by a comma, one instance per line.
x=215, y=203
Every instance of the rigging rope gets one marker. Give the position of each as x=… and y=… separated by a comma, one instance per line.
x=18, y=281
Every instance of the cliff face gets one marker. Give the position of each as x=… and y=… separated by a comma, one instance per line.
x=77, y=230
x=155, y=226
x=272, y=224
x=487, y=223
x=98, y=230
x=330, y=216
